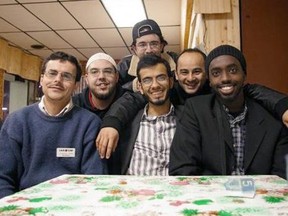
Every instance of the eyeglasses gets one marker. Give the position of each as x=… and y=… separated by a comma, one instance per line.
x=108, y=72
x=149, y=80
x=152, y=45
x=66, y=76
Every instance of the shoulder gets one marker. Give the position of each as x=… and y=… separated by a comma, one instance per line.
x=79, y=98
x=201, y=100
x=84, y=114
x=125, y=59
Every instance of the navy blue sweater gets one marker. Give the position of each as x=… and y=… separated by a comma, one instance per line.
x=30, y=140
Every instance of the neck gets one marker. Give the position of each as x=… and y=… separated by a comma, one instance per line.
x=102, y=104
x=54, y=108
x=158, y=110
x=235, y=105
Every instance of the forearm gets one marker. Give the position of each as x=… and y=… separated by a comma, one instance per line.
x=123, y=110
x=275, y=102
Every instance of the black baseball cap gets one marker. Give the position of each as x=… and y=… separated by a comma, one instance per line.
x=145, y=27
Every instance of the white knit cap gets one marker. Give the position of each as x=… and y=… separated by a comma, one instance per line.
x=100, y=56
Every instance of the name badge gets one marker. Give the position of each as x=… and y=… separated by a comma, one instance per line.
x=65, y=152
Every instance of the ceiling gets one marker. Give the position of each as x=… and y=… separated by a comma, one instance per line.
x=81, y=27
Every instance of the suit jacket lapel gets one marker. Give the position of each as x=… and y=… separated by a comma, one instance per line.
x=128, y=143
x=254, y=136
x=225, y=139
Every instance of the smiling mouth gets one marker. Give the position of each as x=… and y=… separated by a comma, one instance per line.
x=226, y=89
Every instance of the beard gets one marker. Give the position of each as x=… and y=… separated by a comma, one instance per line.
x=104, y=96
x=157, y=102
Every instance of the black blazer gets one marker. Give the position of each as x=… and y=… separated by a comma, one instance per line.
x=203, y=143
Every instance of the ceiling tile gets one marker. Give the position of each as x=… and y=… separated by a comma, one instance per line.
x=6, y=27
x=78, y=38
x=35, y=1
x=107, y=37
x=7, y=2
x=172, y=14
x=65, y=22
x=117, y=52
x=20, y=39
x=90, y=14
x=88, y=52
x=50, y=39
x=127, y=35
x=21, y=18
x=43, y=53
x=73, y=52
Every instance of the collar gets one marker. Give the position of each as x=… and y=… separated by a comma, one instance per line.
x=90, y=99
x=66, y=109
x=146, y=116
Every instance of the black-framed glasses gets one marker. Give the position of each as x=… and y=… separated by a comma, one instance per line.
x=66, y=76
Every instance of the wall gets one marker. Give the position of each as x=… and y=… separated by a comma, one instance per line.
x=264, y=32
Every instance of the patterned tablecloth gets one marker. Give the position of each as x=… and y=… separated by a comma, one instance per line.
x=131, y=195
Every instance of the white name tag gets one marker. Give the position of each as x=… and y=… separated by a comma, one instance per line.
x=65, y=152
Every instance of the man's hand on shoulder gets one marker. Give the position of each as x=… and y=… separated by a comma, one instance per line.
x=107, y=141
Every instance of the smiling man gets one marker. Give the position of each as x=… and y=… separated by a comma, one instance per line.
x=52, y=137
x=227, y=133
x=145, y=145
x=102, y=85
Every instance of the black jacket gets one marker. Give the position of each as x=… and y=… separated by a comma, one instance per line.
x=82, y=100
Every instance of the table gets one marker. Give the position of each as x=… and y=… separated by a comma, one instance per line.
x=146, y=195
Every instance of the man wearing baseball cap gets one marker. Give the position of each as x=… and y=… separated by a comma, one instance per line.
x=227, y=133
x=147, y=39
x=102, y=85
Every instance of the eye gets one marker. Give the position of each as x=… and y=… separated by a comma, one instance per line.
x=161, y=78
x=215, y=73
x=233, y=70
x=197, y=71
x=67, y=76
x=108, y=71
x=93, y=71
x=184, y=72
x=53, y=73
x=147, y=80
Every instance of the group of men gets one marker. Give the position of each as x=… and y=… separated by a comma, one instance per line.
x=146, y=128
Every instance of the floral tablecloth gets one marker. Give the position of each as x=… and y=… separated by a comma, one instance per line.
x=131, y=195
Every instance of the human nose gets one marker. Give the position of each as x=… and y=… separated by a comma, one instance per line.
x=190, y=76
x=148, y=48
x=101, y=74
x=225, y=76
x=154, y=83
x=58, y=77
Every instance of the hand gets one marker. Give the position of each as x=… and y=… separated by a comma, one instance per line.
x=107, y=141
x=285, y=118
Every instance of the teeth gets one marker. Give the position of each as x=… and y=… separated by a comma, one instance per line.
x=226, y=87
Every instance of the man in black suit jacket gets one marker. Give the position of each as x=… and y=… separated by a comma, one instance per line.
x=227, y=133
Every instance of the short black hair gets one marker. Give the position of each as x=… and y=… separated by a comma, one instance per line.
x=150, y=61
x=62, y=56
x=191, y=50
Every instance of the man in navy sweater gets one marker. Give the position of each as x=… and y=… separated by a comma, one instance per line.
x=52, y=137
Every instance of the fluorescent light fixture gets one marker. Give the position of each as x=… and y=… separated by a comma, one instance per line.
x=125, y=13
